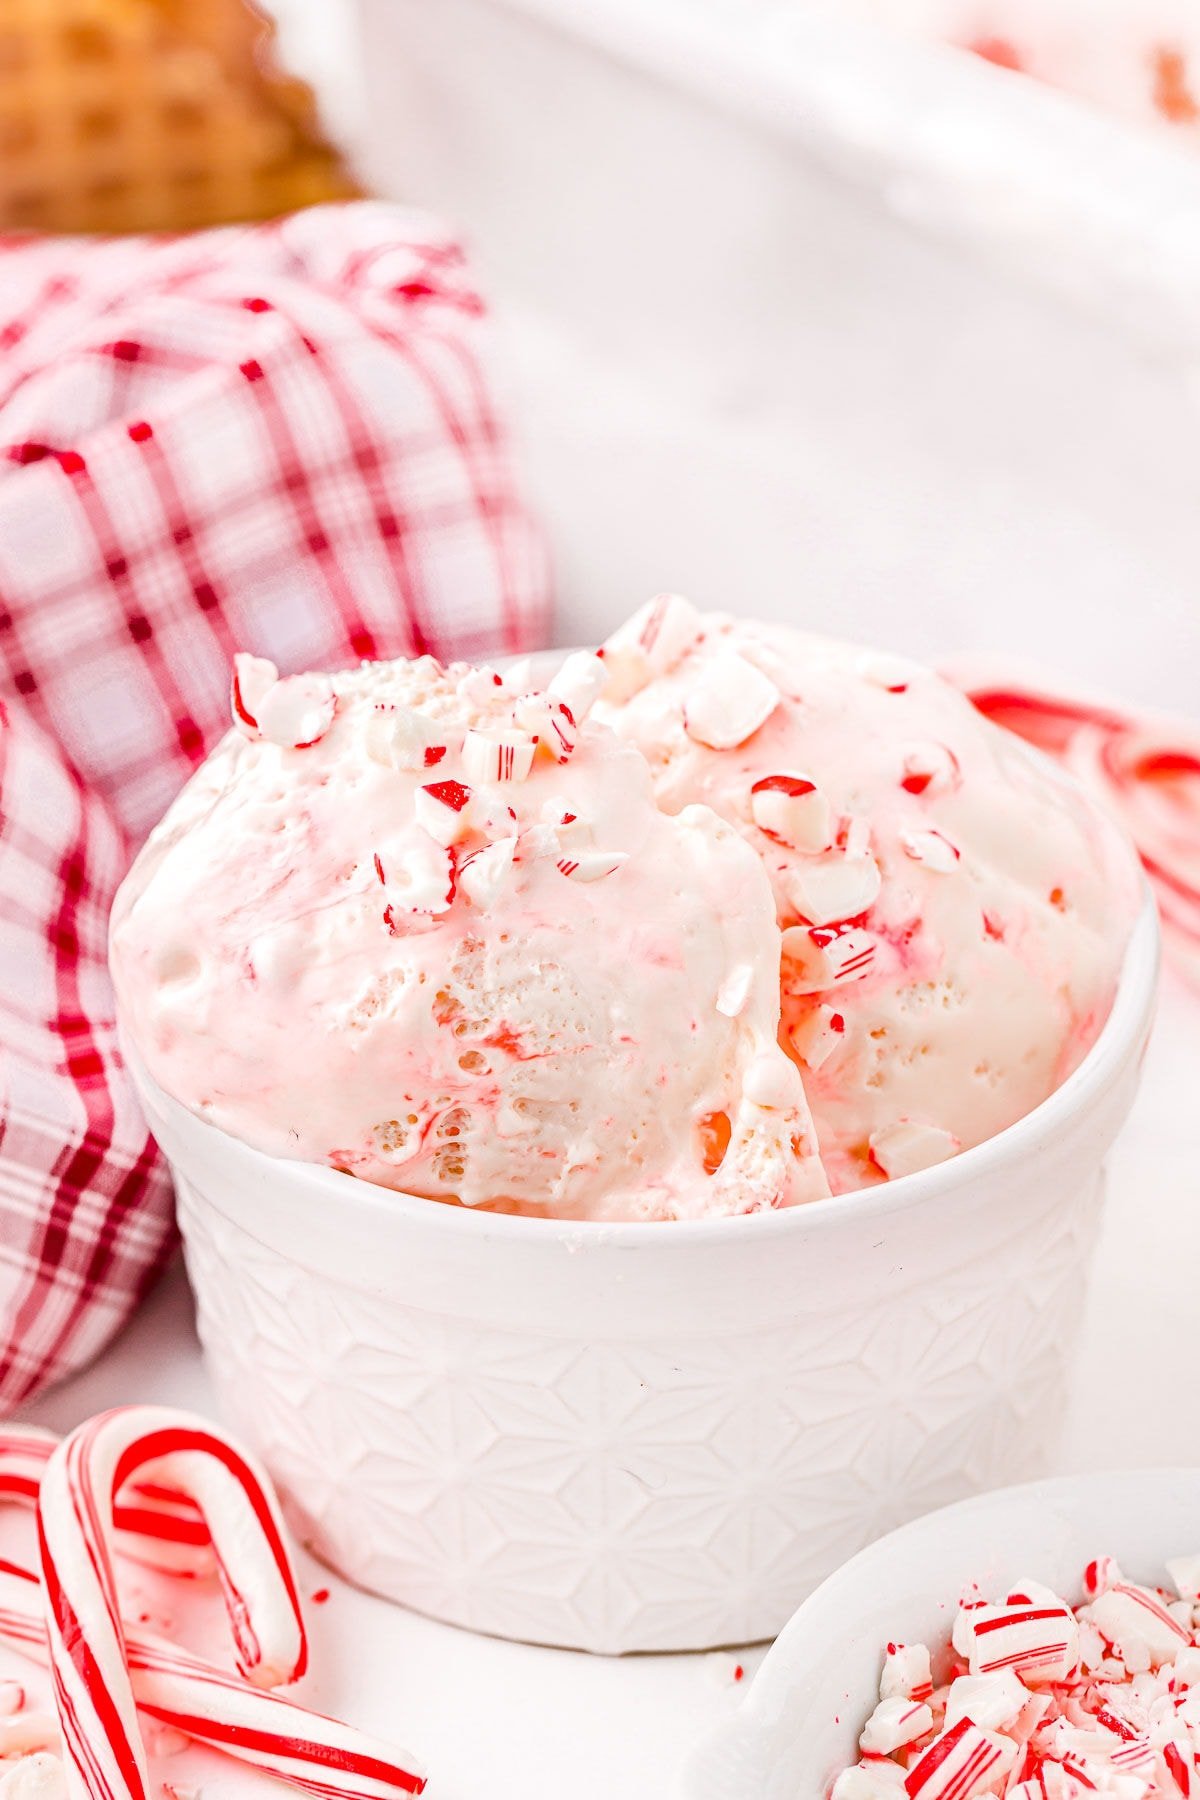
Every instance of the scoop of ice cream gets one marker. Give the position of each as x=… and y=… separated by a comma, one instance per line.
x=433, y=930
x=954, y=911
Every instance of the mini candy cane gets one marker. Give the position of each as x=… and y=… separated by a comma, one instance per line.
x=104, y=1755
x=154, y=1525
x=320, y=1755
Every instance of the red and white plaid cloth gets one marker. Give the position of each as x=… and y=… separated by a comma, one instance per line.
x=270, y=438
x=85, y=1202
x=275, y=438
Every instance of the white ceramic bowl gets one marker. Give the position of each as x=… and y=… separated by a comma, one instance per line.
x=646, y=1436
x=799, y=1724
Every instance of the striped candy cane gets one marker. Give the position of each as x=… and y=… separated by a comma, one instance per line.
x=154, y=1524
x=103, y=1752
x=319, y=1755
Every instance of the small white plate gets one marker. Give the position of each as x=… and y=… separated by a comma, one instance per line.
x=799, y=1725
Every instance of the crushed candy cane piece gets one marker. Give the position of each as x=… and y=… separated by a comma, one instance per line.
x=400, y=738
x=1054, y=1703
x=871, y=1780
x=793, y=810
x=503, y=756
x=12, y=1698
x=961, y=1763
x=580, y=682
x=417, y=877
x=906, y=1147
x=444, y=809
x=483, y=877
x=253, y=678
x=592, y=865
x=1127, y=1615
x=989, y=1701
x=834, y=888
x=817, y=1035
x=893, y=1724
x=1101, y=1574
x=652, y=642
x=1185, y=1575
x=932, y=849
x=929, y=769
x=480, y=686
x=1033, y=1633
x=821, y=957
x=551, y=722
x=906, y=1672
x=730, y=701
x=297, y=712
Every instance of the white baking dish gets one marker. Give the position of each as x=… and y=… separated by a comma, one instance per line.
x=815, y=322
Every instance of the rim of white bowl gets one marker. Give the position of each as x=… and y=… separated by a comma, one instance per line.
x=774, y=1684
x=1128, y=1019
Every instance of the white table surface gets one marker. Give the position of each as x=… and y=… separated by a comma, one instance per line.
x=496, y=1721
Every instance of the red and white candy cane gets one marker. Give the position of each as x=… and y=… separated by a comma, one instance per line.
x=1146, y=771
x=153, y=1524
x=319, y=1755
x=103, y=1752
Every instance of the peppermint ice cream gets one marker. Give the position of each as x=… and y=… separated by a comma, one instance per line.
x=432, y=929
x=727, y=918
x=953, y=913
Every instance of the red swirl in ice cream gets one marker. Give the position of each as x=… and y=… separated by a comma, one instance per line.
x=953, y=911
x=432, y=929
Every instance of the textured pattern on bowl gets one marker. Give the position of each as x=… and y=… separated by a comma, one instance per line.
x=647, y=1436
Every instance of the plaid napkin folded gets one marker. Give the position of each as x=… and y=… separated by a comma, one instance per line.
x=85, y=1202
x=269, y=438
x=273, y=438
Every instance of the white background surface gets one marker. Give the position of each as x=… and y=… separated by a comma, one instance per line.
x=497, y=1721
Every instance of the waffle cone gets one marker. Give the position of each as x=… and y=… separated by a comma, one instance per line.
x=152, y=115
